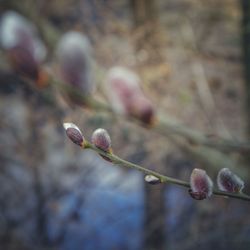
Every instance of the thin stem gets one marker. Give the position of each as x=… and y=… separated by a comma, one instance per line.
x=164, y=179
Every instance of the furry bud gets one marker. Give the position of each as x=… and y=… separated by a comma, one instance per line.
x=101, y=139
x=74, y=61
x=201, y=185
x=74, y=134
x=229, y=182
x=125, y=95
x=19, y=39
x=151, y=179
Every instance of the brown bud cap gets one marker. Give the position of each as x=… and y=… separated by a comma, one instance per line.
x=229, y=182
x=101, y=139
x=74, y=133
x=197, y=195
x=142, y=109
x=201, y=184
x=151, y=179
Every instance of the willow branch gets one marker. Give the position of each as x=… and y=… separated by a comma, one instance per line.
x=167, y=127
x=164, y=179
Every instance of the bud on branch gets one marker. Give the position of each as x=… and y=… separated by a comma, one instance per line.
x=229, y=182
x=74, y=134
x=74, y=63
x=125, y=95
x=200, y=183
x=25, y=50
x=151, y=179
x=101, y=139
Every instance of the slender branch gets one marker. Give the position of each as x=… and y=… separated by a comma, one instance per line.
x=165, y=126
x=169, y=128
x=164, y=179
x=169, y=124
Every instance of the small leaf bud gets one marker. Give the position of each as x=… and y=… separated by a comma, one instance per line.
x=101, y=139
x=151, y=179
x=74, y=134
x=201, y=185
x=229, y=182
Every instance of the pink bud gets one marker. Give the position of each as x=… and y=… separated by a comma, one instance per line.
x=229, y=182
x=74, y=134
x=125, y=95
x=74, y=61
x=19, y=39
x=101, y=139
x=201, y=185
x=151, y=179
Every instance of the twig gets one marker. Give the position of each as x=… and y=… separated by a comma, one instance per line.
x=164, y=179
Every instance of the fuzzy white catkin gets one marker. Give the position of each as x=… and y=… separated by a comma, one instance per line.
x=201, y=182
x=101, y=139
x=228, y=181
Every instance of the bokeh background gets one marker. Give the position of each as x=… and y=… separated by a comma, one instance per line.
x=192, y=57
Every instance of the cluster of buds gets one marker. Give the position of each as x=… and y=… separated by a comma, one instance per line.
x=100, y=138
x=24, y=49
x=74, y=64
x=202, y=185
x=125, y=95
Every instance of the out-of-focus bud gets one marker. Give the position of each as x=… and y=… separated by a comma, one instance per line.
x=229, y=182
x=101, y=139
x=151, y=179
x=74, y=61
x=201, y=185
x=26, y=52
x=74, y=133
x=125, y=95
x=142, y=109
